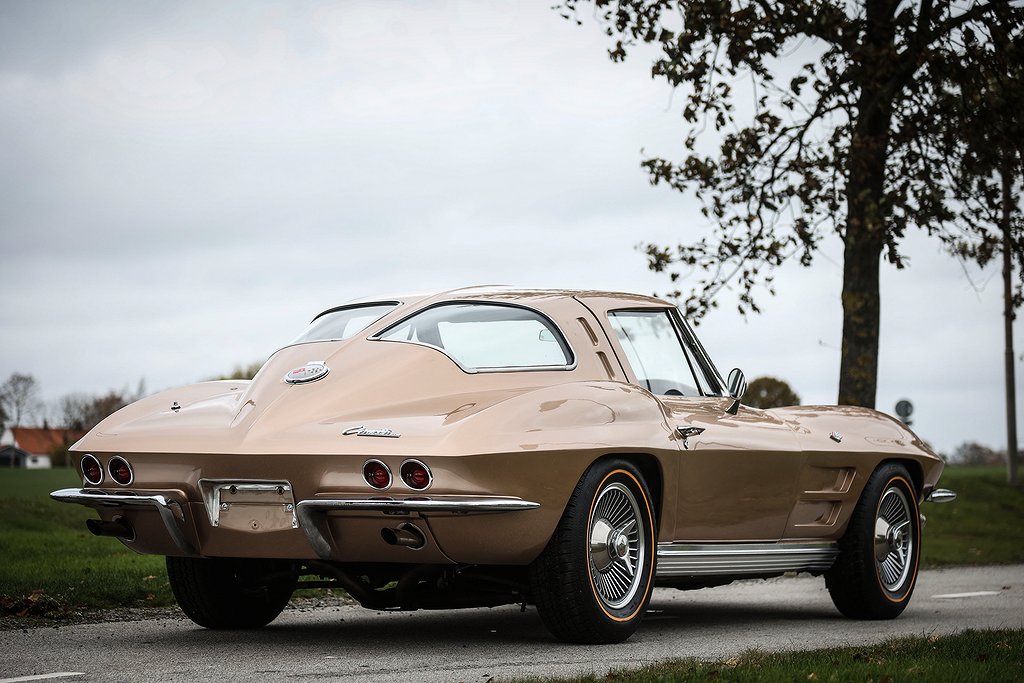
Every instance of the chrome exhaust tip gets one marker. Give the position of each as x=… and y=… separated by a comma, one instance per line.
x=406, y=534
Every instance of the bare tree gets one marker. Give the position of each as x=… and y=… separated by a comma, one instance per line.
x=81, y=412
x=19, y=398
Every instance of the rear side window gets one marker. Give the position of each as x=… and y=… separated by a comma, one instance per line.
x=482, y=337
x=343, y=323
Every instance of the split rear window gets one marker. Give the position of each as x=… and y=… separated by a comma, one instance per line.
x=486, y=337
x=342, y=323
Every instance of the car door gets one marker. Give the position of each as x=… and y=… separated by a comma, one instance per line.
x=737, y=473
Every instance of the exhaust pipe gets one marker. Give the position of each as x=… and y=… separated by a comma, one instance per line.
x=406, y=534
x=116, y=528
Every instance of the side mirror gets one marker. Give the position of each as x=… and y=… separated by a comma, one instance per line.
x=737, y=384
x=737, y=387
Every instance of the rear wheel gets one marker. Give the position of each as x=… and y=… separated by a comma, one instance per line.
x=229, y=593
x=593, y=580
x=876, y=570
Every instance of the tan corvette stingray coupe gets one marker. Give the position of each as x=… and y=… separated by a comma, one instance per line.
x=489, y=446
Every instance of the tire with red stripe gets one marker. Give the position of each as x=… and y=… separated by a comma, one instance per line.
x=876, y=570
x=592, y=582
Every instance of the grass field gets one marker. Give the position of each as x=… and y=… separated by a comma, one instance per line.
x=49, y=562
x=984, y=525
x=967, y=656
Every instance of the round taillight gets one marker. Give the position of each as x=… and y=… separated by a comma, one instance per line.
x=92, y=470
x=377, y=474
x=416, y=475
x=120, y=471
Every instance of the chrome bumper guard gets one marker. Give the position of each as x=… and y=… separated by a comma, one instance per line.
x=312, y=513
x=941, y=496
x=164, y=506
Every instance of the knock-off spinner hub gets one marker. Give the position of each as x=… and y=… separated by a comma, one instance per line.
x=618, y=545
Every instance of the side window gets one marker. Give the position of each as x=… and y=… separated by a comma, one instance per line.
x=654, y=352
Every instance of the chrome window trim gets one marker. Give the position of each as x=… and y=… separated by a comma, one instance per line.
x=562, y=339
x=703, y=359
x=366, y=304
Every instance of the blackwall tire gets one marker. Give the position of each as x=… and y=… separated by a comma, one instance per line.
x=227, y=593
x=876, y=570
x=592, y=582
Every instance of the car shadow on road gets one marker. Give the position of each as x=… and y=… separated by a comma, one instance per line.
x=353, y=629
x=708, y=612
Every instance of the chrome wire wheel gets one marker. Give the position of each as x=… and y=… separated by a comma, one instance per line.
x=617, y=546
x=894, y=539
x=876, y=570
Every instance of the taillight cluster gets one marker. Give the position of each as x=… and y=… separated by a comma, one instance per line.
x=414, y=474
x=92, y=470
x=118, y=469
x=377, y=474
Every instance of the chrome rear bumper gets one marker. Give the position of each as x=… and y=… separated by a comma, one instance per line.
x=311, y=514
x=170, y=510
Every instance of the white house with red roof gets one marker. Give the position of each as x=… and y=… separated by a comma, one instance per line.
x=30, y=447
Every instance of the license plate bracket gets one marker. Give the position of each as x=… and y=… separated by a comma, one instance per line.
x=253, y=505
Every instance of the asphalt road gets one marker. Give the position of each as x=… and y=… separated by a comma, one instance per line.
x=474, y=645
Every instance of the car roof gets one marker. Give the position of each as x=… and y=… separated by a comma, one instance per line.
x=510, y=293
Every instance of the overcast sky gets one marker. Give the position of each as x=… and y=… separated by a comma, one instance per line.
x=184, y=185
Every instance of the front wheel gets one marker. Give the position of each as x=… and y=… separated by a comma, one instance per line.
x=229, y=593
x=876, y=570
x=592, y=582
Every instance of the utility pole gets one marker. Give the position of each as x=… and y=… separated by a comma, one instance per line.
x=1011, y=401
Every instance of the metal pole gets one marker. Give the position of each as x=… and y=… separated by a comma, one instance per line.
x=1011, y=401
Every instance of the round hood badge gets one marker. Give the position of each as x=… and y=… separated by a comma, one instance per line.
x=310, y=372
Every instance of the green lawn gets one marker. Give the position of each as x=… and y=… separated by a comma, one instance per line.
x=984, y=525
x=46, y=550
x=16, y=483
x=967, y=656
x=50, y=563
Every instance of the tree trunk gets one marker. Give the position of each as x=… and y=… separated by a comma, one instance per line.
x=864, y=236
x=1011, y=399
x=858, y=365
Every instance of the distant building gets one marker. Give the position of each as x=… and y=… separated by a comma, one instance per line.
x=19, y=457
x=30, y=447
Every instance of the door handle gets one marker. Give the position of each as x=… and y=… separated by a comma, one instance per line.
x=687, y=431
